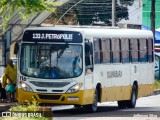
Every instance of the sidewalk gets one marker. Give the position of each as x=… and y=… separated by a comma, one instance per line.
x=5, y=106
x=156, y=92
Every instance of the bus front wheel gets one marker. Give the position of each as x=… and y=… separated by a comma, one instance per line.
x=93, y=107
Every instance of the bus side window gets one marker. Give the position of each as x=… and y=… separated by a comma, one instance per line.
x=134, y=50
x=88, y=56
x=150, y=50
x=143, y=50
x=125, y=50
x=115, y=50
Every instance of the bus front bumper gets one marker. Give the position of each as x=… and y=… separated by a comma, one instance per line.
x=82, y=97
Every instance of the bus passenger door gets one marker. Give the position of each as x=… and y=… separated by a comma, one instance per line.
x=89, y=83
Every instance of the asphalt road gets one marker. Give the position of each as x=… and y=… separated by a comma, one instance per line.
x=147, y=108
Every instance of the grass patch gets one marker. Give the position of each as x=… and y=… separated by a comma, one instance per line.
x=157, y=84
x=30, y=111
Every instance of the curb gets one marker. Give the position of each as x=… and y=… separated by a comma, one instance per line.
x=156, y=92
x=4, y=108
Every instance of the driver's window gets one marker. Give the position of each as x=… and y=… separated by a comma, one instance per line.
x=88, y=57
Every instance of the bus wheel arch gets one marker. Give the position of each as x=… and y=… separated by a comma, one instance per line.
x=135, y=83
x=98, y=88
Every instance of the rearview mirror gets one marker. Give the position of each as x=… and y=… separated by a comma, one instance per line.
x=16, y=48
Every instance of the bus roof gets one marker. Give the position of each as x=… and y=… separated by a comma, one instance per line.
x=93, y=31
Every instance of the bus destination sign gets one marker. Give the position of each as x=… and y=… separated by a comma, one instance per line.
x=52, y=36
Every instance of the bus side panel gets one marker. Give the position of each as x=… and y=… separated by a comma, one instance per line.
x=135, y=73
x=146, y=76
x=144, y=90
x=115, y=81
x=116, y=93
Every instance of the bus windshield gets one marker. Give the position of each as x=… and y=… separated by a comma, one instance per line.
x=51, y=61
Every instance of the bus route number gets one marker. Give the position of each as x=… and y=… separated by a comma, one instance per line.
x=22, y=78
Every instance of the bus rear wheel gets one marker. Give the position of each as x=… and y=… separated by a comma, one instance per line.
x=93, y=107
x=132, y=102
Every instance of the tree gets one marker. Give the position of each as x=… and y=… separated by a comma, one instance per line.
x=90, y=11
x=101, y=11
x=25, y=8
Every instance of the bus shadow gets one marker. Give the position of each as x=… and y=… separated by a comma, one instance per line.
x=104, y=111
x=82, y=112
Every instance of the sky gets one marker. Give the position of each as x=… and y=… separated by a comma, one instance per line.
x=135, y=13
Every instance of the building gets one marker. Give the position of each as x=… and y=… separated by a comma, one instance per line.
x=146, y=18
x=147, y=11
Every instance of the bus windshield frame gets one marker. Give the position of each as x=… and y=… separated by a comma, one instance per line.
x=51, y=61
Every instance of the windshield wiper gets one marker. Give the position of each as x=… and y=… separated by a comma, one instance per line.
x=63, y=48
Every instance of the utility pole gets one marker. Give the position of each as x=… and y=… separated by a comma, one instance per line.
x=113, y=12
x=152, y=15
x=153, y=25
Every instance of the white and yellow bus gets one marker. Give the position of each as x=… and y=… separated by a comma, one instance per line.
x=82, y=66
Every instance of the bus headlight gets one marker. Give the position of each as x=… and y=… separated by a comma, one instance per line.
x=74, y=88
x=26, y=87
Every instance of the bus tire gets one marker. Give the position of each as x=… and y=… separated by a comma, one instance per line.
x=132, y=102
x=93, y=107
x=122, y=104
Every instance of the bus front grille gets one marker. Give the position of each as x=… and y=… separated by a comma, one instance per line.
x=50, y=84
x=49, y=97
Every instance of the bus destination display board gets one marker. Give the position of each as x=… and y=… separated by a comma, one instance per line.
x=52, y=36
